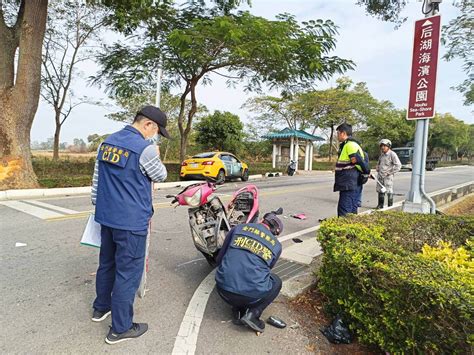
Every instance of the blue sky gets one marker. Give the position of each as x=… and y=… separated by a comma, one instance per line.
x=382, y=55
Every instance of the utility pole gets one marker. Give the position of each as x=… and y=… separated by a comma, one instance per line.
x=142, y=287
x=418, y=200
x=158, y=83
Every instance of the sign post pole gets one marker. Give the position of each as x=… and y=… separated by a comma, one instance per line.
x=421, y=103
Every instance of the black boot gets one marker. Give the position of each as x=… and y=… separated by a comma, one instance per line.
x=390, y=199
x=252, y=320
x=381, y=201
x=236, y=315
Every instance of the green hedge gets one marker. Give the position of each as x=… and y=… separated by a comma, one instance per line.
x=399, y=286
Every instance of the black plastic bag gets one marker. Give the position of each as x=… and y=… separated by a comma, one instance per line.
x=337, y=332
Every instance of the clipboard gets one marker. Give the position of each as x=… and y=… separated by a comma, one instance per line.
x=91, y=236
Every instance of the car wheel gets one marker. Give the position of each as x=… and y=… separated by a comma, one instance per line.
x=245, y=175
x=220, y=178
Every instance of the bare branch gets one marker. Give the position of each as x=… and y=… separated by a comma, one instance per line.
x=225, y=76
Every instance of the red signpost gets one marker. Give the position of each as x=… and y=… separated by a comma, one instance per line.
x=423, y=68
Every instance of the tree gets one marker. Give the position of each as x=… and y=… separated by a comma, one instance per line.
x=197, y=41
x=220, y=131
x=47, y=145
x=21, y=34
x=78, y=146
x=72, y=26
x=170, y=104
x=386, y=10
x=386, y=122
x=448, y=134
x=467, y=149
x=323, y=109
x=95, y=140
x=254, y=147
x=326, y=109
x=22, y=28
x=277, y=111
x=458, y=37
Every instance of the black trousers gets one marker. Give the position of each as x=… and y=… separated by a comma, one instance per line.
x=256, y=305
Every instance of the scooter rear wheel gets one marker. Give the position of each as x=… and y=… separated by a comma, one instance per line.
x=211, y=260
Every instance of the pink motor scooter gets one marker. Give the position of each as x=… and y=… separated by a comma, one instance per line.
x=210, y=220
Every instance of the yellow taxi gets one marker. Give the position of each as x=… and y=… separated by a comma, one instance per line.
x=217, y=165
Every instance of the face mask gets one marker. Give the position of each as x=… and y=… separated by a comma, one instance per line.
x=155, y=139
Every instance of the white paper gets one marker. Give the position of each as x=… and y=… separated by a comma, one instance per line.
x=91, y=235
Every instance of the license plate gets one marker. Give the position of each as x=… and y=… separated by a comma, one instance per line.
x=194, y=165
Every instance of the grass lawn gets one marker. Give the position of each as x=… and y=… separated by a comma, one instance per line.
x=73, y=170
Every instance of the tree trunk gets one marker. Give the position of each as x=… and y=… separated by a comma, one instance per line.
x=183, y=138
x=185, y=131
x=19, y=100
x=167, y=146
x=57, y=132
x=330, y=143
x=182, y=146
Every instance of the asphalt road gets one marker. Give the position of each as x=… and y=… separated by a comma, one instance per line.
x=48, y=280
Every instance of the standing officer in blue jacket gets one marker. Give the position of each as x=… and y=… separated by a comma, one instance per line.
x=127, y=164
x=244, y=279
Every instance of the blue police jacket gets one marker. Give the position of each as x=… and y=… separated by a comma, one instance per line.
x=249, y=253
x=124, y=193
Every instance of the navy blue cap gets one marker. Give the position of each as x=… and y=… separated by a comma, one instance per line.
x=156, y=115
x=275, y=223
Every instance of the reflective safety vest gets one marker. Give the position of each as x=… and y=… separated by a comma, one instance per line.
x=245, y=267
x=347, y=173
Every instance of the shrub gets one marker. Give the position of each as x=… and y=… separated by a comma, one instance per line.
x=404, y=282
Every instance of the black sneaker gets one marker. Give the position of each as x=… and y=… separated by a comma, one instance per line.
x=99, y=316
x=137, y=329
x=250, y=319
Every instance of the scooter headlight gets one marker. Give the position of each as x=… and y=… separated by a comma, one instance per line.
x=194, y=200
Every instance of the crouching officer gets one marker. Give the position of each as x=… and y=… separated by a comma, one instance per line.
x=126, y=165
x=244, y=279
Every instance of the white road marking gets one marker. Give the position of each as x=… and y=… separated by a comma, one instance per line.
x=190, y=262
x=157, y=231
x=187, y=337
x=299, y=233
x=51, y=207
x=31, y=210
